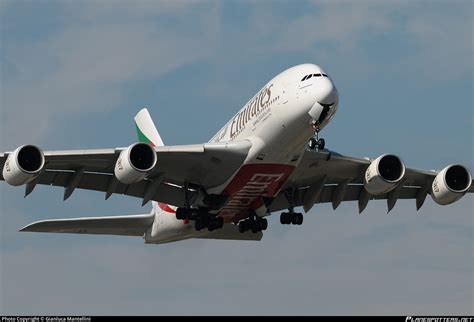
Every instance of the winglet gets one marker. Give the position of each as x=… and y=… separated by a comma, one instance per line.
x=146, y=129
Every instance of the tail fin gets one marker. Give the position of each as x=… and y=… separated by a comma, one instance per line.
x=147, y=133
x=146, y=129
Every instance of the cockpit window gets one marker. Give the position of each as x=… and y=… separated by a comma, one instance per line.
x=311, y=75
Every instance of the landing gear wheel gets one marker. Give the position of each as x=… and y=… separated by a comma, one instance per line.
x=321, y=144
x=284, y=218
x=182, y=213
x=198, y=225
x=254, y=227
x=312, y=143
x=206, y=221
x=316, y=142
x=294, y=219
x=264, y=224
x=214, y=223
x=220, y=222
x=300, y=219
x=242, y=228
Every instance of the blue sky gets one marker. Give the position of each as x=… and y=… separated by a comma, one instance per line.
x=73, y=75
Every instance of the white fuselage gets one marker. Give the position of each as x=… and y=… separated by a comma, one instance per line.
x=278, y=121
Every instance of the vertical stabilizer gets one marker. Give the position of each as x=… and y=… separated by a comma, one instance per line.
x=147, y=133
x=146, y=129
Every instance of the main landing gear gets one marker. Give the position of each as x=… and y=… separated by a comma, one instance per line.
x=316, y=142
x=253, y=223
x=291, y=217
x=201, y=217
x=210, y=222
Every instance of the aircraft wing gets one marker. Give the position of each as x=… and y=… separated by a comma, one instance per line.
x=206, y=165
x=134, y=225
x=320, y=173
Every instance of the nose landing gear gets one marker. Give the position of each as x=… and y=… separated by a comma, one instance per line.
x=316, y=142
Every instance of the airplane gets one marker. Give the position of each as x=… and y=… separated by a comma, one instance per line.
x=267, y=158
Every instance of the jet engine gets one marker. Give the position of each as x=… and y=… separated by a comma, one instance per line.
x=383, y=174
x=23, y=165
x=135, y=163
x=450, y=184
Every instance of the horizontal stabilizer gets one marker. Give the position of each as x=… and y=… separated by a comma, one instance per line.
x=132, y=225
x=231, y=232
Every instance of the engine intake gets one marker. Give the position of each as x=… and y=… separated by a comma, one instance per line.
x=23, y=165
x=450, y=184
x=383, y=174
x=135, y=163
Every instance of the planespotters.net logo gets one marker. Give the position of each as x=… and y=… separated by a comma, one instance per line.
x=439, y=319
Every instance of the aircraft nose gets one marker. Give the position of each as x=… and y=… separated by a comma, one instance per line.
x=326, y=92
x=326, y=102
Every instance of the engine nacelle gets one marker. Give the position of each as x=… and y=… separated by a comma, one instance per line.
x=450, y=184
x=383, y=174
x=135, y=163
x=23, y=165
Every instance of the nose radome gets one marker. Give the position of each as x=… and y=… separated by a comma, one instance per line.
x=326, y=92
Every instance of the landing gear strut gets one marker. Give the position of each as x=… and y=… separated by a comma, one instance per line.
x=201, y=216
x=291, y=217
x=253, y=223
x=316, y=142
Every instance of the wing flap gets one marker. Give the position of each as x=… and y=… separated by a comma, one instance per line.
x=99, y=160
x=132, y=225
x=166, y=193
x=352, y=193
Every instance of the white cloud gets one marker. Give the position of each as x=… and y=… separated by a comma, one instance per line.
x=85, y=67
